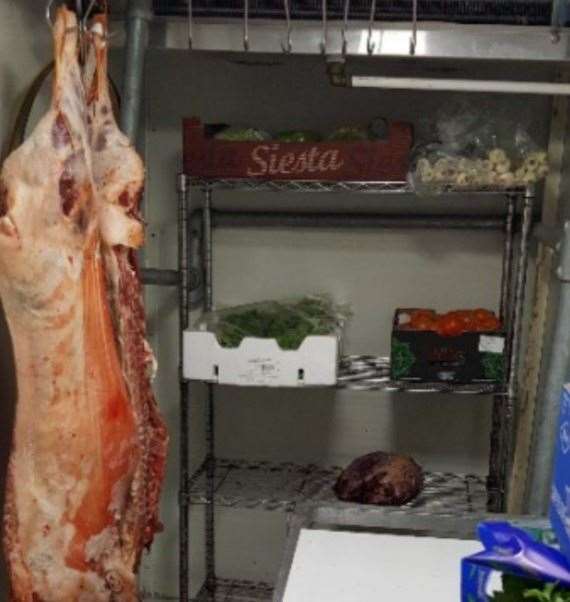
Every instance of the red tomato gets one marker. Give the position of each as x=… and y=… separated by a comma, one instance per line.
x=490, y=324
x=424, y=324
x=422, y=319
x=449, y=325
x=483, y=314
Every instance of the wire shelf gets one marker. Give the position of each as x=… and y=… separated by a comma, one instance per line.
x=282, y=487
x=372, y=373
x=520, y=12
x=236, y=590
x=253, y=185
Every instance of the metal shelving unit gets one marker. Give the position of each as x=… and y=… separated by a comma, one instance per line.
x=237, y=590
x=283, y=487
x=287, y=487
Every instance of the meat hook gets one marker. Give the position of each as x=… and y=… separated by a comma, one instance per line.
x=246, y=25
x=288, y=47
x=345, y=26
x=323, y=44
x=370, y=44
x=414, y=38
x=190, y=26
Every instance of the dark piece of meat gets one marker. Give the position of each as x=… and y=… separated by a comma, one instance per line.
x=380, y=478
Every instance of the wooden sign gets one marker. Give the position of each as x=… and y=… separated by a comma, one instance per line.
x=382, y=160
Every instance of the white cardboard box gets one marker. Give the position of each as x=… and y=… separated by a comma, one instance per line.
x=337, y=566
x=261, y=362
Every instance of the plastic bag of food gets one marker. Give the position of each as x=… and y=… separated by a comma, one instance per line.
x=528, y=565
x=289, y=321
x=242, y=134
x=476, y=151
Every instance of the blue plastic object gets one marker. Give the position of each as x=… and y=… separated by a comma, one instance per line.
x=510, y=550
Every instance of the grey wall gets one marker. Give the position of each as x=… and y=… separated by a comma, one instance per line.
x=374, y=271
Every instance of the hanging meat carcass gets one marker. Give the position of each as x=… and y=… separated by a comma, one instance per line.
x=89, y=446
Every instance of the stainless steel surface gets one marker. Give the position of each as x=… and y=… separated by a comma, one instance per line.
x=184, y=212
x=210, y=411
x=246, y=185
x=283, y=487
x=372, y=373
x=160, y=277
x=434, y=40
x=236, y=590
x=544, y=440
x=138, y=15
x=243, y=219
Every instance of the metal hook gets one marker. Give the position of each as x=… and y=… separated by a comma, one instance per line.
x=414, y=38
x=370, y=44
x=88, y=12
x=246, y=25
x=323, y=44
x=48, y=13
x=190, y=26
x=345, y=26
x=288, y=46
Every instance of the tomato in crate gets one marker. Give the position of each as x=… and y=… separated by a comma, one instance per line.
x=463, y=346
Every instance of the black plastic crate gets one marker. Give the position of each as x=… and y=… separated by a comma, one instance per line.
x=520, y=12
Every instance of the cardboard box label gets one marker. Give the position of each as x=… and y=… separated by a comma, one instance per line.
x=261, y=370
x=491, y=344
x=560, y=493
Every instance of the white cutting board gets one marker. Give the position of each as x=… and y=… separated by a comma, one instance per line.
x=364, y=567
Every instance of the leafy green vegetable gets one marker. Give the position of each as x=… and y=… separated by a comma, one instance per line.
x=518, y=589
x=349, y=134
x=402, y=358
x=299, y=136
x=494, y=366
x=242, y=134
x=288, y=323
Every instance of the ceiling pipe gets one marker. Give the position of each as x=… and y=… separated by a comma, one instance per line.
x=138, y=16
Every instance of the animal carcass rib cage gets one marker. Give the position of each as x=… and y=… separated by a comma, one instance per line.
x=514, y=12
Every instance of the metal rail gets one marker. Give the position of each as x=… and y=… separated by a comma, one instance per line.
x=433, y=40
x=184, y=211
x=207, y=254
x=380, y=187
x=255, y=219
